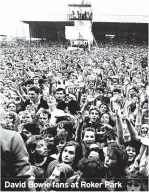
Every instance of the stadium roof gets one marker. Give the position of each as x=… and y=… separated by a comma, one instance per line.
x=103, y=18
x=131, y=11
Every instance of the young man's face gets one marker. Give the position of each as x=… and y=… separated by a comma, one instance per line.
x=94, y=116
x=41, y=148
x=33, y=95
x=36, y=79
x=89, y=138
x=59, y=95
x=68, y=154
x=84, y=97
x=43, y=119
x=28, y=118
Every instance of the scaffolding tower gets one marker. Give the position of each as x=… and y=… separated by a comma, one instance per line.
x=80, y=34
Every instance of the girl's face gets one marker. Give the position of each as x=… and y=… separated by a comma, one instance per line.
x=105, y=118
x=41, y=148
x=144, y=130
x=51, y=100
x=131, y=152
x=60, y=145
x=8, y=119
x=103, y=109
x=28, y=118
x=133, y=186
x=110, y=160
x=55, y=176
x=6, y=91
x=84, y=97
x=12, y=107
x=93, y=116
x=68, y=154
x=111, y=140
x=135, y=100
x=31, y=110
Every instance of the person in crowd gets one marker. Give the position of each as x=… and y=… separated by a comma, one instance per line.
x=14, y=161
x=70, y=154
x=69, y=105
x=39, y=157
x=58, y=178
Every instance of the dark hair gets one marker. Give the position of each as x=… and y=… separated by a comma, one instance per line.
x=29, y=82
x=91, y=169
x=62, y=136
x=106, y=100
x=8, y=63
x=78, y=153
x=36, y=75
x=135, y=144
x=32, y=127
x=135, y=89
x=44, y=111
x=122, y=158
x=117, y=90
x=111, y=134
x=100, y=89
x=73, y=107
x=31, y=145
x=41, y=81
x=60, y=89
x=34, y=88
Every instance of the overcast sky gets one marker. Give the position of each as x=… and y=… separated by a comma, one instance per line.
x=14, y=11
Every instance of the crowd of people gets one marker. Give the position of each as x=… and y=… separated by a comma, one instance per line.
x=75, y=120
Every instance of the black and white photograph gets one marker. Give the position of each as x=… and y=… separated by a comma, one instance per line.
x=74, y=95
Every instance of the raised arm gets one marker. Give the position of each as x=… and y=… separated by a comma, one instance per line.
x=132, y=131
x=119, y=127
x=79, y=130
